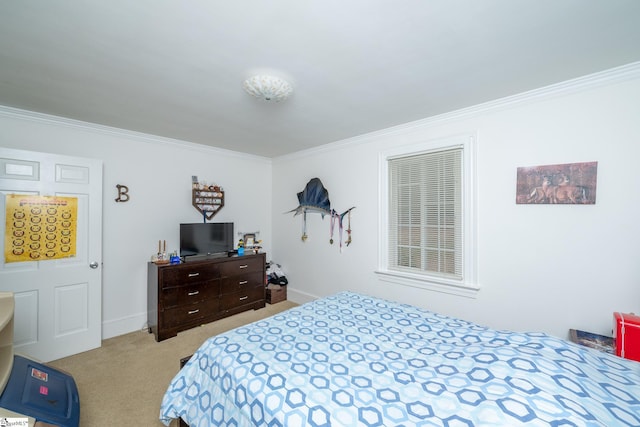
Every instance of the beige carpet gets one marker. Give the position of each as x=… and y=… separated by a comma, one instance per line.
x=122, y=383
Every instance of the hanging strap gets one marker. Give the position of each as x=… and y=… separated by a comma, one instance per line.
x=622, y=332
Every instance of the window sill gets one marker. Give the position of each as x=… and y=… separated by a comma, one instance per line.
x=431, y=283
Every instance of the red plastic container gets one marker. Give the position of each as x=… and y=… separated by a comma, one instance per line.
x=626, y=335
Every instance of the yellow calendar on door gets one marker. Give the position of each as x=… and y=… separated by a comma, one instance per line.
x=40, y=228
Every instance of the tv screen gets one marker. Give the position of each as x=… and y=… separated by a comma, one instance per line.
x=213, y=238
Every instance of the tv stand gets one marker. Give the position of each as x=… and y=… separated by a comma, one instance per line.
x=199, y=291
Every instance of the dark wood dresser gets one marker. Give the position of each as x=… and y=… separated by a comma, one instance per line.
x=183, y=296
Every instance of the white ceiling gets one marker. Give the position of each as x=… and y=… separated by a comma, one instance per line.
x=175, y=68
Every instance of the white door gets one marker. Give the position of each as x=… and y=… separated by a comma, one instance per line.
x=58, y=302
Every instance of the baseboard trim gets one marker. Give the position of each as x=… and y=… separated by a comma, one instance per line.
x=300, y=297
x=124, y=325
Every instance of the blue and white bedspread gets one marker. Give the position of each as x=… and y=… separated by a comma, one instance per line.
x=354, y=360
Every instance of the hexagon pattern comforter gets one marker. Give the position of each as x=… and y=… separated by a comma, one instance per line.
x=355, y=360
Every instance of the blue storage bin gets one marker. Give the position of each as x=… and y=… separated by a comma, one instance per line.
x=42, y=392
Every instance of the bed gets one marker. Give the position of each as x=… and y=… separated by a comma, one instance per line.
x=355, y=360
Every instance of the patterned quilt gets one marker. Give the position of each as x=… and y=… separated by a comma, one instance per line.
x=355, y=360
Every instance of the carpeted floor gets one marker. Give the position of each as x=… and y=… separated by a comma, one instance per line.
x=122, y=383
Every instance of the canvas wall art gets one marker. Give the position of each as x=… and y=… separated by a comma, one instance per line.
x=571, y=183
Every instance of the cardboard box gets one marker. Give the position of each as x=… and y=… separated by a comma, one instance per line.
x=626, y=335
x=276, y=293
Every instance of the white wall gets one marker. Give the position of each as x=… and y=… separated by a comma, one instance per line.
x=541, y=267
x=158, y=173
x=547, y=268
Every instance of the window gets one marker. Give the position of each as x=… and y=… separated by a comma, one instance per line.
x=427, y=228
x=425, y=213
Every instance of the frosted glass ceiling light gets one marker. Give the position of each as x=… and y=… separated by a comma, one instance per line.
x=268, y=88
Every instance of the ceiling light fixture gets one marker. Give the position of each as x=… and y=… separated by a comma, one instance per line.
x=268, y=88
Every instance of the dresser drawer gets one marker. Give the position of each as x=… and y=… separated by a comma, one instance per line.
x=237, y=299
x=190, y=313
x=245, y=281
x=187, y=274
x=242, y=266
x=189, y=294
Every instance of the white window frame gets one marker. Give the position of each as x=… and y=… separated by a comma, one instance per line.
x=468, y=285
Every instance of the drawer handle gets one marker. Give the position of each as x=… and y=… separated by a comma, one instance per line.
x=193, y=293
x=244, y=266
x=194, y=274
x=194, y=311
x=244, y=282
x=243, y=298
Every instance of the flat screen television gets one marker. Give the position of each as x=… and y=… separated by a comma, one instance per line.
x=206, y=239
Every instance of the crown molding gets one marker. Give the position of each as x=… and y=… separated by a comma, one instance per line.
x=604, y=78
x=43, y=118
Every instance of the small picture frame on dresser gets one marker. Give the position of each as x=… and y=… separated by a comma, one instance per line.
x=249, y=240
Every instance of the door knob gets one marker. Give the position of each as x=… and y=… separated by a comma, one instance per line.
x=94, y=264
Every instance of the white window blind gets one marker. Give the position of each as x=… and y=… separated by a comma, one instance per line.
x=426, y=214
